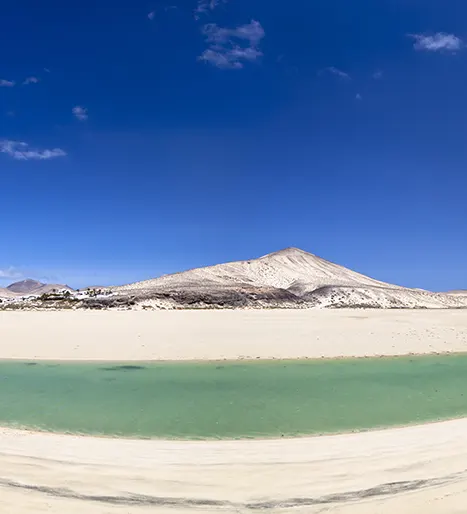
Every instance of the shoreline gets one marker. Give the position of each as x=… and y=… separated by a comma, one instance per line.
x=5, y=429
x=239, y=360
x=266, y=360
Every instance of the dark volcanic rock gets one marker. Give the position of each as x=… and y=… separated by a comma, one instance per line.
x=221, y=298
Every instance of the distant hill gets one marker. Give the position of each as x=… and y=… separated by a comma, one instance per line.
x=32, y=287
x=25, y=286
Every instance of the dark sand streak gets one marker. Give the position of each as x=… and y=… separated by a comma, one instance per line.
x=383, y=490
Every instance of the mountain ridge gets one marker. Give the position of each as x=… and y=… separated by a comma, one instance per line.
x=288, y=278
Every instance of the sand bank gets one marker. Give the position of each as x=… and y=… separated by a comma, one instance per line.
x=193, y=335
x=407, y=470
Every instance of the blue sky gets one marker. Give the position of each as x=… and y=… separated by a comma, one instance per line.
x=145, y=137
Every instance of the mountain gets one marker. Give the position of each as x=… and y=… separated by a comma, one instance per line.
x=32, y=287
x=290, y=278
x=292, y=269
x=287, y=278
x=25, y=286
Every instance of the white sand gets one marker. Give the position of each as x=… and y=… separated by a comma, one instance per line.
x=172, y=335
x=416, y=470
x=411, y=470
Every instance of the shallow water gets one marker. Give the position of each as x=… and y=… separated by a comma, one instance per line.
x=231, y=400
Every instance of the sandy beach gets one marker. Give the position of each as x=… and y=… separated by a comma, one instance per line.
x=229, y=334
x=407, y=470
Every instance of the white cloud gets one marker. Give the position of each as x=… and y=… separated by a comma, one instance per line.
x=358, y=96
x=231, y=59
x=10, y=273
x=437, y=42
x=377, y=75
x=22, y=151
x=152, y=15
x=30, y=80
x=339, y=73
x=204, y=6
x=7, y=83
x=252, y=32
x=231, y=48
x=80, y=113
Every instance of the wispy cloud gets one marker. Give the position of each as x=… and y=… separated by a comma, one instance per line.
x=153, y=14
x=437, y=42
x=204, y=6
x=10, y=273
x=339, y=73
x=30, y=80
x=378, y=75
x=231, y=48
x=80, y=113
x=358, y=96
x=23, y=152
x=7, y=83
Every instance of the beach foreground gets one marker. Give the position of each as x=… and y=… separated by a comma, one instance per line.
x=407, y=470
x=229, y=334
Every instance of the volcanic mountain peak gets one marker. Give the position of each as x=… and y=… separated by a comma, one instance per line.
x=25, y=286
x=287, y=268
x=33, y=287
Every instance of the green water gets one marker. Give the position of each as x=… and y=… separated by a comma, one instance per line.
x=232, y=400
